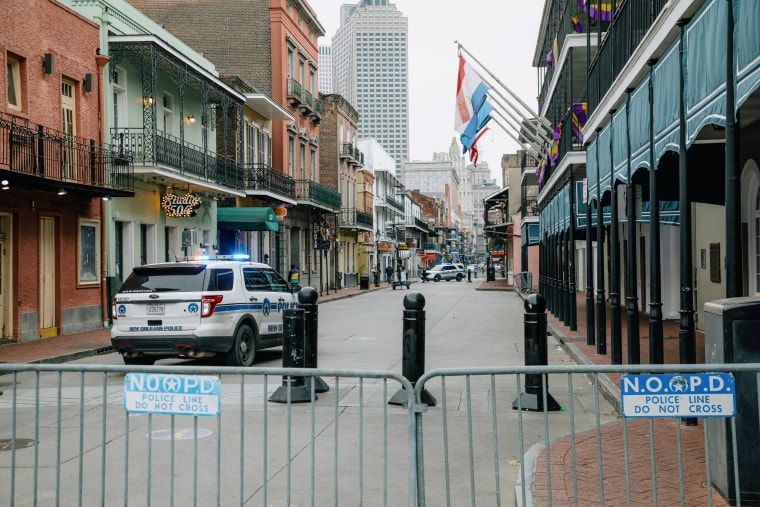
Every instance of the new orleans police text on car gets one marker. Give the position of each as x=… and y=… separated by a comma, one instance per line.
x=200, y=308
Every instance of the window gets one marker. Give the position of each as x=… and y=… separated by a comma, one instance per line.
x=291, y=156
x=291, y=64
x=89, y=251
x=119, y=98
x=251, y=138
x=14, y=83
x=168, y=111
x=69, y=122
x=302, y=162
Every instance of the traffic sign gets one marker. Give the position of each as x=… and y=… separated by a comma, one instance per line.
x=684, y=395
x=156, y=393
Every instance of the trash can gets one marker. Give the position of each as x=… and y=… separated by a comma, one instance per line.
x=491, y=274
x=731, y=337
x=364, y=282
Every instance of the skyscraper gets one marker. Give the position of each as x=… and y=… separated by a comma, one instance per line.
x=325, y=70
x=370, y=59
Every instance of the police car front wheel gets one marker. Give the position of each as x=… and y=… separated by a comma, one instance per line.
x=243, y=348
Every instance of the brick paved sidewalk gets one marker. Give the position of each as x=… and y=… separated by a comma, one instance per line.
x=638, y=434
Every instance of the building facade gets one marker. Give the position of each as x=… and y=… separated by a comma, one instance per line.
x=652, y=205
x=370, y=61
x=56, y=168
x=325, y=69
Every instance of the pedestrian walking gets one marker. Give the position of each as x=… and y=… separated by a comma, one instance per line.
x=293, y=278
x=389, y=273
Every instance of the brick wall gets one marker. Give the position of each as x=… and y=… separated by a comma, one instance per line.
x=235, y=35
x=329, y=155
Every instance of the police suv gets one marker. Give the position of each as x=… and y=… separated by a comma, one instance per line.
x=200, y=308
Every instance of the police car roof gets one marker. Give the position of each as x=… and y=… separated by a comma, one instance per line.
x=206, y=262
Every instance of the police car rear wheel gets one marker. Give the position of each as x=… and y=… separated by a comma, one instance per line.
x=243, y=349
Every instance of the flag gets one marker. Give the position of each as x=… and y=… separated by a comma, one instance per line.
x=550, y=58
x=576, y=22
x=580, y=115
x=474, y=149
x=474, y=126
x=471, y=95
x=555, y=51
x=582, y=4
x=555, y=143
x=605, y=8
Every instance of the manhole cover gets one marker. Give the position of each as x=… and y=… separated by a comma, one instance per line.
x=179, y=434
x=6, y=444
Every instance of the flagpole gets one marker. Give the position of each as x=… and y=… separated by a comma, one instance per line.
x=530, y=149
x=540, y=140
x=536, y=147
x=518, y=99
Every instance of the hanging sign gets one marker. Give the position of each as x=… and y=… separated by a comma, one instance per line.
x=176, y=206
x=280, y=212
x=322, y=234
x=384, y=246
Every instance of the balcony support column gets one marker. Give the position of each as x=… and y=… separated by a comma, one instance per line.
x=601, y=305
x=571, y=257
x=656, y=350
x=632, y=299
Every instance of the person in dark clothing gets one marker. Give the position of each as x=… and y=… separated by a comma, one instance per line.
x=389, y=273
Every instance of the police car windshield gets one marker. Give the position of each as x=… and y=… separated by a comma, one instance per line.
x=165, y=279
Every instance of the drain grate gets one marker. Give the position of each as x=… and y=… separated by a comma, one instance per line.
x=6, y=444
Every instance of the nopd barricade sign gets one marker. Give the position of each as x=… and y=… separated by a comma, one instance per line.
x=684, y=395
x=154, y=393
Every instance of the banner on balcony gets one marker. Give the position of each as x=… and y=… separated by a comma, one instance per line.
x=323, y=236
x=580, y=115
x=176, y=206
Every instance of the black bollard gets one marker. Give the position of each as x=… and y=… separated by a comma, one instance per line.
x=293, y=341
x=535, y=355
x=469, y=275
x=307, y=300
x=413, y=359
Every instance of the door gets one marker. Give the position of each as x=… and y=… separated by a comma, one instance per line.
x=6, y=321
x=47, y=278
x=68, y=110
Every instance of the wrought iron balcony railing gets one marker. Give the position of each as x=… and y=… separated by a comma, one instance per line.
x=317, y=112
x=265, y=178
x=307, y=102
x=431, y=245
x=34, y=150
x=358, y=157
x=420, y=224
x=347, y=151
x=294, y=92
x=182, y=157
x=352, y=217
x=530, y=207
x=307, y=190
x=630, y=24
x=391, y=201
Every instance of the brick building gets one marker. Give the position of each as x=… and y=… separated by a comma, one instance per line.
x=54, y=170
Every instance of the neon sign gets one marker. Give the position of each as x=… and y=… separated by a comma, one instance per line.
x=176, y=206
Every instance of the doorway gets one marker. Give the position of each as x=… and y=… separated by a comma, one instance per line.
x=6, y=277
x=47, y=277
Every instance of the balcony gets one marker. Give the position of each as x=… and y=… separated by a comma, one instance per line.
x=392, y=202
x=346, y=151
x=294, y=92
x=183, y=158
x=261, y=178
x=629, y=26
x=431, y=245
x=46, y=159
x=358, y=158
x=316, y=115
x=420, y=224
x=351, y=218
x=307, y=103
x=317, y=195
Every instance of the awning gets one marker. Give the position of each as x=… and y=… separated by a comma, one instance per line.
x=431, y=232
x=246, y=219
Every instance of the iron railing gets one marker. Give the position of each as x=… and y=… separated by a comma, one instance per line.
x=358, y=157
x=353, y=217
x=631, y=22
x=35, y=150
x=319, y=109
x=183, y=157
x=307, y=101
x=264, y=177
x=307, y=190
x=530, y=207
x=294, y=91
x=347, y=150
x=431, y=245
x=391, y=201
x=420, y=224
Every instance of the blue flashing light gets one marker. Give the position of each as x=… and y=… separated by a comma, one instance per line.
x=241, y=257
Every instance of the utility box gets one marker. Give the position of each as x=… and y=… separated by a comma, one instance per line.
x=732, y=335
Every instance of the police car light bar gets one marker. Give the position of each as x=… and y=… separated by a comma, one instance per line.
x=235, y=257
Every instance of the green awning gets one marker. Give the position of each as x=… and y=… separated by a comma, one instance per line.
x=246, y=219
x=431, y=232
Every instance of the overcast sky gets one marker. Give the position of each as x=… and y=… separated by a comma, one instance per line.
x=501, y=34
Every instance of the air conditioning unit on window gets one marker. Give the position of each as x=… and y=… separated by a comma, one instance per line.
x=189, y=237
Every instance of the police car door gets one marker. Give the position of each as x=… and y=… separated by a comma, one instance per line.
x=282, y=298
x=256, y=289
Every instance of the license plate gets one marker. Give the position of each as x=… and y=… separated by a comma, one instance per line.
x=154, y=309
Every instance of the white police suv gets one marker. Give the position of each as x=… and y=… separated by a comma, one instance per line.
x=200, y=308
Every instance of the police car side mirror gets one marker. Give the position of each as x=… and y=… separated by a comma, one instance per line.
x=295, y=288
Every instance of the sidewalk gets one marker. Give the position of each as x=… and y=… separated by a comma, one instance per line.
x=60, y=349
x=613, y=449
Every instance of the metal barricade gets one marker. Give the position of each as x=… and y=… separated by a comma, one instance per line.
x=68, y=440
x=468, y=452
x=524, y=281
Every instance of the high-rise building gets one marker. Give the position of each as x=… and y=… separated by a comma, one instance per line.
x=370, y=59
x=325, y=70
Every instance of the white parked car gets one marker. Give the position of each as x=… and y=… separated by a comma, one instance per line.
x=200, y=308
x=445, y=272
